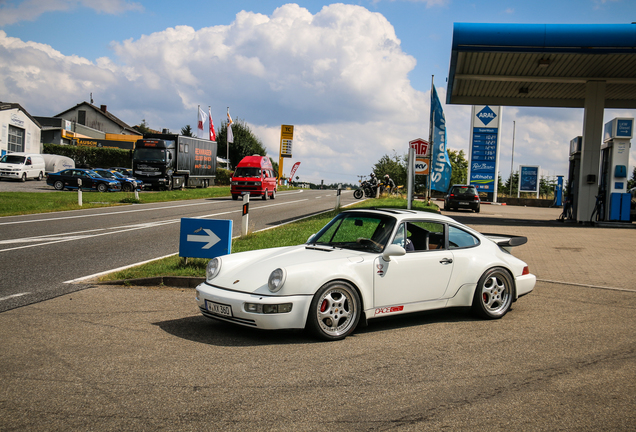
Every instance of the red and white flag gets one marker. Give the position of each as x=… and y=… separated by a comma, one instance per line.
x=293, y=170
x=212, y=133
x=202, y=119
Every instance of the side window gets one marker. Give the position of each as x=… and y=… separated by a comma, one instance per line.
x=458, y=238
x=423, y=236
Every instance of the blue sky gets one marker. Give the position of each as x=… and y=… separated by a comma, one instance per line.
x=352, y=77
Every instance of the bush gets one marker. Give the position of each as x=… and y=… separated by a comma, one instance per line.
x=94, y=157
x=223, y=177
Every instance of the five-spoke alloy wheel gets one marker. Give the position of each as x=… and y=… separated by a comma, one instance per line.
x=493, y=295
x=335, y=311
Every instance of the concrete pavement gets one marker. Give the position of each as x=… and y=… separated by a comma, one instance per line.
x=130, y=358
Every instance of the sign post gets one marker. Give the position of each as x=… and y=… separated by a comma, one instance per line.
x=286, y=141
x=205, y=238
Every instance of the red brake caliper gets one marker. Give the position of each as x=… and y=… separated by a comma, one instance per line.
x=324, y=305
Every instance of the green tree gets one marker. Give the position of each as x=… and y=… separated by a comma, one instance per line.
x=142, y=127
x=245, y=142
x=459, y=166
x=394, y=166
x=632, y=182
x=187, y=131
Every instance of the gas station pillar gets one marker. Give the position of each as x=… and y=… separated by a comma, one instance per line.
x=591, y=149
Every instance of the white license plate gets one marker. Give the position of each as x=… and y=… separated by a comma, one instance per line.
x=218, y=309
x=463, y=203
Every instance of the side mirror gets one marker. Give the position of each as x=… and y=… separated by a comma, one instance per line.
x=393, y=250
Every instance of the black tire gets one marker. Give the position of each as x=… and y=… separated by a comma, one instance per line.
x=273, y=194
x=335, y=311
x=58, y=185
x=357, y=194
x=494, y=293
x=235, y=197
x=102, y=187
x=40, y=176
x=265, y=195
x=477, y=210
x=23, y=179
x=126, y=187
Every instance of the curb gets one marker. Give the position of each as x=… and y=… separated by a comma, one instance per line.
x=171, y=281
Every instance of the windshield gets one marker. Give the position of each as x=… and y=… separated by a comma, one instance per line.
x=150, y=155
x=12, y=159
x=118, y=175
x=105, y=174
x=247, y=172
x=359, y=231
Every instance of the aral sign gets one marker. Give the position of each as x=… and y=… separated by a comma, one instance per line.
x=483, y=163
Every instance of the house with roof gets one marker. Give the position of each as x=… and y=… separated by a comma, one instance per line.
x=19, y=130
x=87, y=125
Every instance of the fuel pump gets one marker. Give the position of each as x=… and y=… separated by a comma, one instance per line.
x=572, y=196
x=615, y=204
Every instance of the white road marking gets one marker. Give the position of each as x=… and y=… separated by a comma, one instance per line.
x=14, y=296
x=80, y=235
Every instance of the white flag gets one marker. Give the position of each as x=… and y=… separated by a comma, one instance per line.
x=203, y=117
x=230, y=135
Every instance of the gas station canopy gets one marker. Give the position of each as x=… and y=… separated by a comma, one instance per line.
x=547, y=65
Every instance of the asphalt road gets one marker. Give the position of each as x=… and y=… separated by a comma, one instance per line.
x=39, y=253
x=564, y=357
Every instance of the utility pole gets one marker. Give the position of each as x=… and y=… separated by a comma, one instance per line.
x=512, y=161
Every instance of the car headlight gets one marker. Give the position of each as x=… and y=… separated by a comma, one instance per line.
x=213, y=269
x=276, y=280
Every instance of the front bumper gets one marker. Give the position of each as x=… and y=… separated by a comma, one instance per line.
x=295, y=319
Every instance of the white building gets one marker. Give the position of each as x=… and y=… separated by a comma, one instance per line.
x=19, y=131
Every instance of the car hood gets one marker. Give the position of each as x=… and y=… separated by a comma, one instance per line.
x=305, y=266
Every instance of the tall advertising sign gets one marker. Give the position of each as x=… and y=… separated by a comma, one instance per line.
x=528, y=179
x=441, y=169
x=483, y=165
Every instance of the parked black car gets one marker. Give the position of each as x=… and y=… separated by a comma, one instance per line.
x=67, y=179
x=632, y=207
x=462, y=196
x=128, y=184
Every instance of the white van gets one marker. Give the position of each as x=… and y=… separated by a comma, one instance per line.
x=21, y=166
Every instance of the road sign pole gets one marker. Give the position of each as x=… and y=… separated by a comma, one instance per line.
x=338, y=197
x=246, y=217
x=79, y=192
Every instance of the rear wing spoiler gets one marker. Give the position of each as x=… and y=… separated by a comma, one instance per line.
x=507, y=241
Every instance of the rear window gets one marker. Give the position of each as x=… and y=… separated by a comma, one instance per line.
x=464, y=190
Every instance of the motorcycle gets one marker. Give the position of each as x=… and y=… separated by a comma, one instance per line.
x=365, y=189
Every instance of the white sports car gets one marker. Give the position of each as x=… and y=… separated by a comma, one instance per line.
x=366, y=264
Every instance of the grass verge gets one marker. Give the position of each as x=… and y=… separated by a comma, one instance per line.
x=286, y=235
x=21, y=203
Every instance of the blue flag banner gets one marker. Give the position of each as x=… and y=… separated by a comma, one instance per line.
x=440, y=164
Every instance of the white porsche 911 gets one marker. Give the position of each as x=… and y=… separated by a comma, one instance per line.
x=366, y=264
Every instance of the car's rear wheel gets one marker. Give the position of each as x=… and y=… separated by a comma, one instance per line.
x=477, y=210
x=493, y=295
x=335, y=311
x=102, y=187
x=58, y=185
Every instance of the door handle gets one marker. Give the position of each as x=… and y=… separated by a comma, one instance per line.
x=446, y=261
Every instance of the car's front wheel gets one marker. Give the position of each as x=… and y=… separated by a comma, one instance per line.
x=493, y=295
x=102, y=187
x=40, y=176
x=335, y=311
x=126, y=187
x=58, y=185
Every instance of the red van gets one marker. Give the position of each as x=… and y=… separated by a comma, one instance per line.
x=254, y=175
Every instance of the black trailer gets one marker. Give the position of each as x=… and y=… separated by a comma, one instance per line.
x=167, y=161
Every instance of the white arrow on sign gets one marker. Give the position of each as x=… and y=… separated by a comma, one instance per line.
x=210, y=238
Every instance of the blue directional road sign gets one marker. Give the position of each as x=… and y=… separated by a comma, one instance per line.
x=205, y=238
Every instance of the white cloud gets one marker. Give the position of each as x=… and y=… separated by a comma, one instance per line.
x=340, y=76
x=30, y=10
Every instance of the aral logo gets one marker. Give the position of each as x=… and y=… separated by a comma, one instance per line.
x=486, y=115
